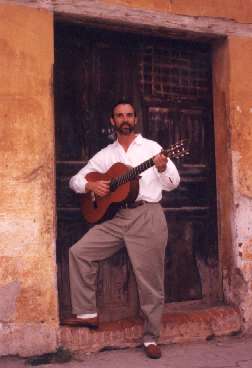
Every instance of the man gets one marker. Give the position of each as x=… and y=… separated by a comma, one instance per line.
x=140, y=226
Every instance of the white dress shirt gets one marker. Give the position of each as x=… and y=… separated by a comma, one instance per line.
x=141, y=149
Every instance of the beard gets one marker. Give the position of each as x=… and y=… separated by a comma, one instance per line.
x=125, y=128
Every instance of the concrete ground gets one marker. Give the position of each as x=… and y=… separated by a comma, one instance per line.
x=228, y=352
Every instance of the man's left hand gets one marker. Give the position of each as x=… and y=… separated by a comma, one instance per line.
x=160, y=161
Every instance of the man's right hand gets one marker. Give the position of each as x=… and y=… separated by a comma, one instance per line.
x=99, y=187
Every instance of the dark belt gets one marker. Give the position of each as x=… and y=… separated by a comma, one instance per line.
x=132, y=204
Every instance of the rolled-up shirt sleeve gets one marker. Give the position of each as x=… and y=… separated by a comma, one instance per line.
x=169, y=178
x=78, y=182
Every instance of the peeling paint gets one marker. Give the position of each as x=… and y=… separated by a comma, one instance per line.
x=243, y=212
x=8, y=297
x=27, y=339
x=16, y=233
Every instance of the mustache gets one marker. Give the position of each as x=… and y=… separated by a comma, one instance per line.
x=125, y=125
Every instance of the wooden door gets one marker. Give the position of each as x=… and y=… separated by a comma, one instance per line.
x=170, y=83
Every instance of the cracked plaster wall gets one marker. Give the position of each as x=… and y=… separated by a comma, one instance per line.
x=241, y=138
x=233, y=139
x=28, y=293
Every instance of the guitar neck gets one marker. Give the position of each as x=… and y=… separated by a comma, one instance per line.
x=134, y=172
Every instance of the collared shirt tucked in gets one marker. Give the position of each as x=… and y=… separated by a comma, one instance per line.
x=141, y=149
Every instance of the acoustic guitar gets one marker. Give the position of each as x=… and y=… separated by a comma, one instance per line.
x=124, y=186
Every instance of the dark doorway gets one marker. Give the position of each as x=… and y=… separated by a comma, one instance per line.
x=170, y=83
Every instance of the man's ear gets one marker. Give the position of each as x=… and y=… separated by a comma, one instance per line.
x=112, y=121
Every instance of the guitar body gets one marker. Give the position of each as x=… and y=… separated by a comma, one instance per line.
x=95, y=208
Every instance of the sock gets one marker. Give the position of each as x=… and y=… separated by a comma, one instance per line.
x=87, y=315
x=150, y=343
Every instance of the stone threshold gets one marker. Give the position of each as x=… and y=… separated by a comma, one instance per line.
x=181, y=322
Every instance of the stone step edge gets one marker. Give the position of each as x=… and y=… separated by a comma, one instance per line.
x=177, y=327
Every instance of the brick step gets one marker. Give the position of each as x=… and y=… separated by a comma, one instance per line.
x=182, y=322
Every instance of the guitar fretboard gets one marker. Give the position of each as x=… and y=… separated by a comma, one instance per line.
x=131, y=174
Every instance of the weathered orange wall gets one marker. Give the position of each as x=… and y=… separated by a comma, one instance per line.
x=240, y=10
x=240, y=54
x=27, y=235
x=241, y=108
x=232, y=81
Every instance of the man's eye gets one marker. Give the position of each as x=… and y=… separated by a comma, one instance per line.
x=130, y=115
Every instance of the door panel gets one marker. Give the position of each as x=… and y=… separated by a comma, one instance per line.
x=176, y=88
x=169, y=81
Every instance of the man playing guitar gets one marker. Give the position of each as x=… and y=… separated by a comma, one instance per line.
x=140, y=226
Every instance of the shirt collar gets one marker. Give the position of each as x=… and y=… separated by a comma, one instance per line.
x=138, y=140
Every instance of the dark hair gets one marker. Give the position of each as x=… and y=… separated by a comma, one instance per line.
x=122, y=102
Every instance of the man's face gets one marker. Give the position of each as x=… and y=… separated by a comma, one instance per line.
x=124, y=119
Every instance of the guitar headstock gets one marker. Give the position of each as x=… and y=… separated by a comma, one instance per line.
x=177, y=150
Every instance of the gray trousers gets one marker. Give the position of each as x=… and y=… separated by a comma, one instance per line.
x=143, y=230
